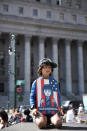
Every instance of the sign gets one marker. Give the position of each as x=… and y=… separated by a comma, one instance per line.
x=19, y=90
x=47, y=96
x=20, y=82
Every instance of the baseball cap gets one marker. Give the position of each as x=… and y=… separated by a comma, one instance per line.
x=81, y=104
x=47, y=61
x=70, y=106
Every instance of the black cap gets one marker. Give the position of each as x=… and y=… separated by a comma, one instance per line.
x=70, y=106
x=47, y=61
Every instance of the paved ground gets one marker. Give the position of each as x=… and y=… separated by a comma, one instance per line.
x=32, y=127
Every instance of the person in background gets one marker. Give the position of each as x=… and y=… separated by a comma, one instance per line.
x=15, y=117
x=63, y=114
x=48, y=86
x=70, y=115
x=21, y=109
x=28, y=116
x=3, y=119
x=81, y=110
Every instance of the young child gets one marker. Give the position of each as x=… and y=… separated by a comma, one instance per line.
x=81, y=110
x=3, y=119
x=45, y=99
x=28, y=117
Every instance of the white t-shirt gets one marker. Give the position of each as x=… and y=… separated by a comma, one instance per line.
x=70, y=116
x=81, y=109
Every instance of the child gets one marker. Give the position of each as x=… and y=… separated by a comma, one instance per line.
x=45, y=99
x=81, y=110
x=3, y=119
x=28, y=117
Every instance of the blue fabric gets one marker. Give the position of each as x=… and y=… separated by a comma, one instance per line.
x=33, y=93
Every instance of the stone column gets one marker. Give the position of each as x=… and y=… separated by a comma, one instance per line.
x=41, y=48
x=55, y=58
x=80, y=67
x=12, y=69
x=27, y=67
x=68, y=67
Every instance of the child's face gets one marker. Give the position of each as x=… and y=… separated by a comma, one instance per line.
x=1, y=123
x=46, y=71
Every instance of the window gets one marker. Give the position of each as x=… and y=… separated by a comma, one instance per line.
x=2, y=41
x=35, y=12
x=17, y=42
x=5, y=8
x=18, y=56
x=48, y=14
x=1, y=87
x=38, y=0
x=86, y=20
x=62, y=16
x=49, y=1
x=58, y=2
x=69, y=3
x=21, y=10
x=78, y=3
x=74, y=18
x=2, y=59
x=18, y=71
x=2, y=63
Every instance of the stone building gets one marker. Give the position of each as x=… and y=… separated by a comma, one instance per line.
x=56, y=29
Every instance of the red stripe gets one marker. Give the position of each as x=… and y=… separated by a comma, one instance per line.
x=42, y=95
x=44, y=112
x=52, y=103
x=52, y=112
x=36, y=95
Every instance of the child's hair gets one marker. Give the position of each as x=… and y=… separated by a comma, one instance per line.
x=39, y=71
x=4, y=116
x=26, y=112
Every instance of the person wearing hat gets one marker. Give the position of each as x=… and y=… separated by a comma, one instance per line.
x=81, y=110
x=45, y=98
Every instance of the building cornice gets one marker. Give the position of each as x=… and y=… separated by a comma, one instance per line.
x=44, y=28
x=41, y=23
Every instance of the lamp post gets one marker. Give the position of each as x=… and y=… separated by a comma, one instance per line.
x=12, y=50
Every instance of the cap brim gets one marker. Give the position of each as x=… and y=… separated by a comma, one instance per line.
x=54, y=65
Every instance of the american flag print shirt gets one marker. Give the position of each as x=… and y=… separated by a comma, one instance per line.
x=48, y=98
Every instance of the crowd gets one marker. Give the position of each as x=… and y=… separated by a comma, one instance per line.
x=20, y=115
x=72, y=117
x=14, y=116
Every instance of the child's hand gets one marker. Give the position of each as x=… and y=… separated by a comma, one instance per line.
x=35, y=112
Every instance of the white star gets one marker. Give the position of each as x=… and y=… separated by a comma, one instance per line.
x=51, y=83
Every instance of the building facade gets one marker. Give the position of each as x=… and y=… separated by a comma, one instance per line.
x=56, y=29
